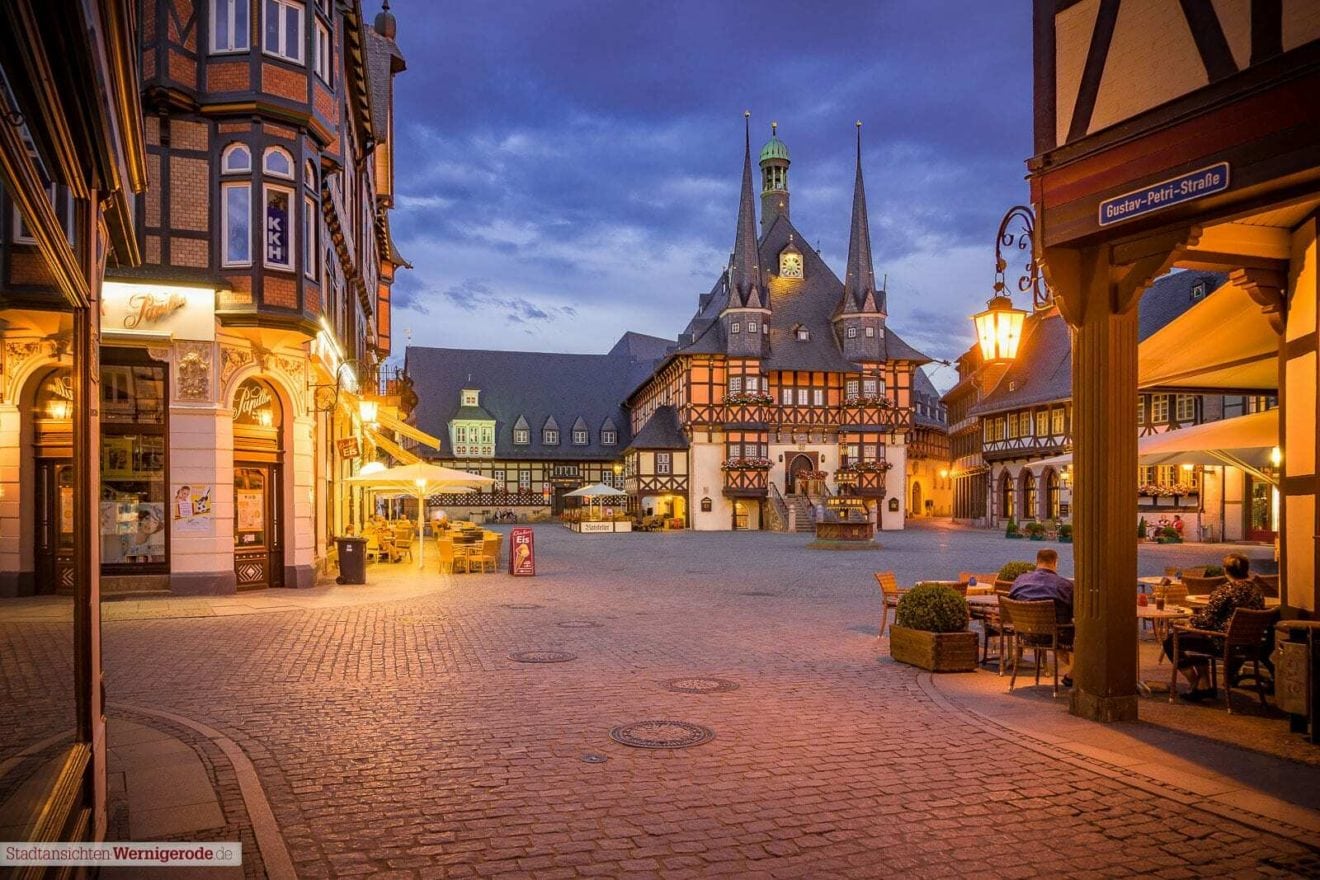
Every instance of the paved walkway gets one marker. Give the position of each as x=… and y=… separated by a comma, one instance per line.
x=394, y=736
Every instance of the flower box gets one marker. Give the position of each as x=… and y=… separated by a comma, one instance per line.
x=935, y=652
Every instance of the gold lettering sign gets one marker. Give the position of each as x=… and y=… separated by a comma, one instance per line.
x=252, y=404
x=147, y=308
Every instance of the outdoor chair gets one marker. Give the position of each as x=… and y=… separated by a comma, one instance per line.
x=1035, y=626
x=489, y=554
x=450, y=559
x=373, y=547
x=1201, y=585
x=889, y=587
x=1269, y=585
x=1249, y=639
x=403, y=547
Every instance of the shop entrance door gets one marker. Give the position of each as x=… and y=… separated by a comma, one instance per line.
x=258, y=541
x=54, y=508
x=1261, y=511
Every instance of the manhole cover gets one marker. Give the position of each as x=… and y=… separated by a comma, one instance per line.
x=580, y=624
x=521, y=606
x=701, y=685
x=758, y=593
x=662, y=734
x=542, y=656
x=594, y=759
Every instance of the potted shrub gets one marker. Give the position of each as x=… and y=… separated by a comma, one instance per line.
x=1036, y=531
x=1012, y=530
x=1169, y=535
x=1065, y=533
x=930, y=630
x=1143, y=531
x=1009, y=573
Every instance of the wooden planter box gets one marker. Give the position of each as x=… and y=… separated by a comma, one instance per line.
x=936, y=652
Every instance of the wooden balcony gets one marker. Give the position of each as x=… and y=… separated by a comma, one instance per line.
x=745, y=483
x=886, y=417
x=866, y=484
x=746, y=413
x=1026, y=447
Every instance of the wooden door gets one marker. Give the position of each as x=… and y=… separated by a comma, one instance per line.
x=54, y=521
x=258, y=529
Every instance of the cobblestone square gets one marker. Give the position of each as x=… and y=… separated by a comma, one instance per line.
x=394, y=736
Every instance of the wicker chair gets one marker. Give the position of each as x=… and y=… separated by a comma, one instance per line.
x=489, y=554
x=888, y=584
x=1248, y=639
x=1202, y=585
x=1034, y=625
x=1269, y=585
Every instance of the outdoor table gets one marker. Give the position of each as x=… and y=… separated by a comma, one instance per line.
x=1200, y=600
x=1156, y=580
x=980, y=590
x=985, y=608
x=1161, y=618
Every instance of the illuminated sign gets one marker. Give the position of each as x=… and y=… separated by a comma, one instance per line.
x=1165, y=194
x=349, y=447
x=158, y=310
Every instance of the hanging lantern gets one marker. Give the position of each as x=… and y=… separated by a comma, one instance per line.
x=999, y=329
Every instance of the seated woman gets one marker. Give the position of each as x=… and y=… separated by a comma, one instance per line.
x=1240, y=591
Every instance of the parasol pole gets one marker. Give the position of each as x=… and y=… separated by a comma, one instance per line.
x=421, y=514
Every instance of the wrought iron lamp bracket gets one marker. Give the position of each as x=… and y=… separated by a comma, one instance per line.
x=1017, y=232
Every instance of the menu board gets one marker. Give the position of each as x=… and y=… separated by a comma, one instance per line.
x=522, y=553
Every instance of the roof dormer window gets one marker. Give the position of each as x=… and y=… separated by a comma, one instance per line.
x=470, y=396
x=802, y=334
x=550, y=437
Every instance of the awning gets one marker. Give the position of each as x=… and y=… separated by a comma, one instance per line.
x=1222, y=343
x=393, y=448
x=399, y=426
x=1246, y=442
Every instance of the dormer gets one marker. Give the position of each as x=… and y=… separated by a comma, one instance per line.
x=470, y=397
x=609, y=434
x=522, y=433
x=581, y=433
x=550, y=432
x=472, y=429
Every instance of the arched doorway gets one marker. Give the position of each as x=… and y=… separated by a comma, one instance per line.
x=917, y=508
x=258, y=486
x=1007, y=509
x=52, y=502
x=800, y=470
x=1029, y=509
x=1052, y=494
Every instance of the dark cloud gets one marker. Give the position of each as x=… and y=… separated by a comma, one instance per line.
x=581, y=158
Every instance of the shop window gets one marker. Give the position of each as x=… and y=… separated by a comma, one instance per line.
x=132, y=505
x=229, y=25
x=283, y=28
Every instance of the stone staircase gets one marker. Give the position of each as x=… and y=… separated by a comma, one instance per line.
x=802, y=506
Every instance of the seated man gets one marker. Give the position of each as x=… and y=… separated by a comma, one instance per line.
x=1046, y=583
x=1240, y=591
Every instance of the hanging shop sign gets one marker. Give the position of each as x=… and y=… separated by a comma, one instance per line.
x=522, y=553
x=349, y=447
x=1165, y=194
x=163, y=311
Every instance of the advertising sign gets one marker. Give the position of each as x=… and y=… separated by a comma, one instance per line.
x=522, y=553
x=163, y=310
x=349, y=447
x=590, y=527
x=193, y=513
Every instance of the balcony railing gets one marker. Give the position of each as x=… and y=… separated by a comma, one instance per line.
x=866, y=479
x=878, y=416
x=746, y=483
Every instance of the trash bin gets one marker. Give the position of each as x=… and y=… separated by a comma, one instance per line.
x=352, y=560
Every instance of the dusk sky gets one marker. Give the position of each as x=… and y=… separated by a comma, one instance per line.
x=569, y=171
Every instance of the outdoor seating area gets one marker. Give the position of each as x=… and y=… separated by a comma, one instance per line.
x=466, y=548
x=390, y=541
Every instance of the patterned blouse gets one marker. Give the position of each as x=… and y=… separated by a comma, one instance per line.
x=1226, y=599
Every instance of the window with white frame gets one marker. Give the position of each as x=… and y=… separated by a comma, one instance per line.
x=309, y=175
x=869, y=387
x=1159, y=408
x=236, y=159
x=1042, y=423
x=818, y=396
x=803, y=334
x=852, y=333
x=309, y=237
x=735, y=384
x=1184, y=408
x=1141, y=409
x=608, y=437
x=524, y=480
x=278, y=227
x=236, y=220
x=580, y=437
x=277, y=163
x=229, y=25
x=1056, y=417
x=802, y=396
x=664, y=462
x=283, y=29
x=751, y=326
x=850, y=388
x=522, y=436
x=735, y=327
x=870, y=332
x=498, y=476
x=321, y=52
x=550, y=437
x=752, y=384
x=735, y=451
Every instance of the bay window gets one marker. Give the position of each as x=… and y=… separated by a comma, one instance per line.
x=284, y=30
x=229, y=26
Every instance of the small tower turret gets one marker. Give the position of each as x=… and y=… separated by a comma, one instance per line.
x=774, y=178
x=746, y=312
x=860, y=319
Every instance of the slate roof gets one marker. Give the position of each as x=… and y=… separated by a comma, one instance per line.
x=383, y=55
x=661, y=431
x=809, y=301
x=1042, y=371
x=537, y=387
x=924, y=391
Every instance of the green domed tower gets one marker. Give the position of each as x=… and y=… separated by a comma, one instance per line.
x=774, y=178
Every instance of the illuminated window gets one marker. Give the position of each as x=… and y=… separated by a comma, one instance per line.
x=1056, y=417
x=850, y=388
x=818, y=396
x=802, y=396
x=786, y=396
x=283, y=30
x=1141, y=409
x=803, y=334
x=1042, y=423
x=229, y=25
x=735, y=384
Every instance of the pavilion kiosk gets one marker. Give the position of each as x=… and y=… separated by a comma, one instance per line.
x=1174, y=135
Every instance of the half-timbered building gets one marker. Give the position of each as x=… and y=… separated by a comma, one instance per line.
x=788, y=384
x=930, y=455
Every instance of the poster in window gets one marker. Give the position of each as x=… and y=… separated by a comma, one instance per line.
x=277, y=228
x=66, y=510
x=192, y=510
x=132, y=532
x=249, y=510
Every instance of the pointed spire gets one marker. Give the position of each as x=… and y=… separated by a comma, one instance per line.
x=744, y=271
x=859, y=290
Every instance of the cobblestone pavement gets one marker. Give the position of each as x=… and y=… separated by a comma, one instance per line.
x=396, y=738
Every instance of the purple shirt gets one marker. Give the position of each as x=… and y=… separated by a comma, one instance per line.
x=1045, y=584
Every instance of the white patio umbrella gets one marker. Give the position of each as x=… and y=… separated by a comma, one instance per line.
x=421, y=480
x=594, y=492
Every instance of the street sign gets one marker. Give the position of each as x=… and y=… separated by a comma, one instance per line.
x=1165, y=194
x=522, y=553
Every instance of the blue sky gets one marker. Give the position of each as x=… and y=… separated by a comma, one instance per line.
x=568, y=171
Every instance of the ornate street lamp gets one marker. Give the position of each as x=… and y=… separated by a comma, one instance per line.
x=999, y=327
